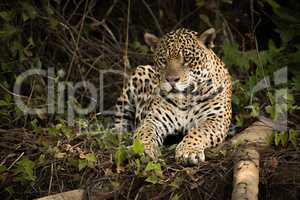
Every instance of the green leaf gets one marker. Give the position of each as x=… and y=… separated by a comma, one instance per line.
x=120, y=155
x=137, y=147
x=53, y=131
x=7, y=15
x=276, y=138
x=293, y=137
x=3, y=103
x=82, y=164
x=30, y=11
x=115, y=184
x=235, y=100
x=172, y=147
x=49, y=10
x=137, y=165
x=89, y=160
x=42, y=158
x=154, y=167
x=270, y=110
x=91, y=157
x=53, y=23
x=254, y=110
x=283, y=138
x=8, y=31
x=152, y=179
x=109, y=139
x=206, y=20
x=10, y=190
x=67, y=131
x=177, y=182
x=139, y=47
x=200, y=3
x=275, y=6
x=239, y=121
x=2, y=168
x=175, y=197
x=25, y=17
x=25, y=168
x=34, y=125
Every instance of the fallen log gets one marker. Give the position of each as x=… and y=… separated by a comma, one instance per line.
x=246, y=175
x=246, y=162
x=70, y=195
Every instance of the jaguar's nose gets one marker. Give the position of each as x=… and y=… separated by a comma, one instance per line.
x=172, y=79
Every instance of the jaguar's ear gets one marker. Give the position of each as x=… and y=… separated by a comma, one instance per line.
x=151, y=40
x=208, y=37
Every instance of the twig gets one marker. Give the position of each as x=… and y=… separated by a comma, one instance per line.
x=106, y=15
x=12, y=164
x=125, y=57
x=77, y=41
x=11, y=93
x=51, y=178
x=130, y=187
x=74, y=10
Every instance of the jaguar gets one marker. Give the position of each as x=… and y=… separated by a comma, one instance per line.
x=187, y=90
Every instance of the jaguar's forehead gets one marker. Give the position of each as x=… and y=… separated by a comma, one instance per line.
x=181, y=33
x=173, y=42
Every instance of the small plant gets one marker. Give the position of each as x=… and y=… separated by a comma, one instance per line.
x=283, y=138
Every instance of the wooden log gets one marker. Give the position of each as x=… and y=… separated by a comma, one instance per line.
x=70, y=195
x=257, y=134
x=246, y=163
x=246, y=175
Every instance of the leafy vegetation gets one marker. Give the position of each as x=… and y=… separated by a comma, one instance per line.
x=41, y=154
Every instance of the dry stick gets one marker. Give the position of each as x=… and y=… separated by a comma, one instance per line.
x=51, y=179
x=130, y=187
x=13, y=163
x=125, y=57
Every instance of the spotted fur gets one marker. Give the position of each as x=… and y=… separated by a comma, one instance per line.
x=188, y=90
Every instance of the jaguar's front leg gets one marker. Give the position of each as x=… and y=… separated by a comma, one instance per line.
x=147, y=134
x=159, y=123
x=191, y=149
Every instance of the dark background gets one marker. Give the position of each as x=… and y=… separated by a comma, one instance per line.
x=255, y=38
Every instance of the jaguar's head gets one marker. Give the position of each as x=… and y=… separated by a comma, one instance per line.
x=180, y=56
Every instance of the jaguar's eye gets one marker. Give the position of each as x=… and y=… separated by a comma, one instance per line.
x=185, y=59
x=188, y=57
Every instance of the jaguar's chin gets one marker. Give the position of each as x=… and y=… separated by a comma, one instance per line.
x=184, y=87
x=167, y=88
